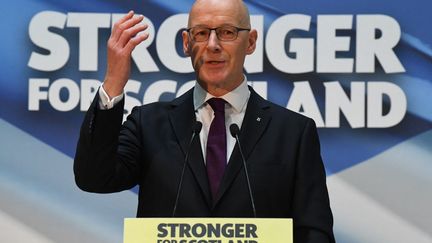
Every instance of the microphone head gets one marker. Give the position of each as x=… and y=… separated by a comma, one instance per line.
x=197, y=127
x=234, y=129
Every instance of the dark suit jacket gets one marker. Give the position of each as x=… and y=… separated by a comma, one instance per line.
x=281, y=148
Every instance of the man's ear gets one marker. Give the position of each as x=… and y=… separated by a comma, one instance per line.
x=253, y=36
x=186, y=48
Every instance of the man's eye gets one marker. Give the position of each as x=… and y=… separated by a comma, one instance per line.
x=227, y=32
x=201, y=33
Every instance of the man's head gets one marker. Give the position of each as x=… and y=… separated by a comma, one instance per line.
x=219, y=63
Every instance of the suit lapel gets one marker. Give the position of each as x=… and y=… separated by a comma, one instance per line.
x=182, y=119
x=255, y=121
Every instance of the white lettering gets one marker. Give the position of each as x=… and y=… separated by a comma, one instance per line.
x=369, y=46
x=166, y=44
x=73, y=94
x=88, y=25
x=328, y=44
x=302, y=47
x=132, y=86
x=156, y=89
x=89, y=87
x=56, y=45
x=337, y=101
x=302, y=97
x=35, y=92
x=185, y=87
x=397, y=104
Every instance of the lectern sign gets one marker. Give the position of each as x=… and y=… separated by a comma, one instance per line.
x=207, y=230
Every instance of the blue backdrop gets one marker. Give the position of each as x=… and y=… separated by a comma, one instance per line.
x=379, y=171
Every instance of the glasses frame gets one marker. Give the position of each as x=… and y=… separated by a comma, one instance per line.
x=238, y=29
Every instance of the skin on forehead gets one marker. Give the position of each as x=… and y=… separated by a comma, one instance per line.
x=233, y=12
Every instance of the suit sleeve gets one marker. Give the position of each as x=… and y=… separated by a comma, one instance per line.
x=313, y=220
x=108, y=153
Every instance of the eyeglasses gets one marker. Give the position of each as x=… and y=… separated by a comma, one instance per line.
x=223, y=33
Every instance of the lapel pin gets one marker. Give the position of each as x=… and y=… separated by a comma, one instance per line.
x=258, y=119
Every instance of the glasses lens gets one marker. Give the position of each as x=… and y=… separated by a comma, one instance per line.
x=199, y=33
x=226, y=33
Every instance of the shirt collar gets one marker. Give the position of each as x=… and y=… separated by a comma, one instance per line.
x=237, y=98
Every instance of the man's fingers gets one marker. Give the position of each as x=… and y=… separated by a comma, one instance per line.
x=133, y=42
x=130, y=33
x=114, y=34
x=119, y=28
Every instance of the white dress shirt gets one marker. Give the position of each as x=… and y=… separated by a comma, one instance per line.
x=235, y=108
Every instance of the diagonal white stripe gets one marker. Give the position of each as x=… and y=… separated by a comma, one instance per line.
x=16, y=232
x=37, y=189
x=386, y=198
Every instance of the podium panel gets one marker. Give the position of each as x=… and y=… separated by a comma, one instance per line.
x=208, y=230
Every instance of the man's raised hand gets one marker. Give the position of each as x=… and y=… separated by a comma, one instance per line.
x=124, y=38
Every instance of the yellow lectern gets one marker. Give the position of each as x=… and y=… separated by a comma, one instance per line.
x=208, y=230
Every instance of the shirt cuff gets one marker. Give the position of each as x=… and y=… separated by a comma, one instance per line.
x=105, y=103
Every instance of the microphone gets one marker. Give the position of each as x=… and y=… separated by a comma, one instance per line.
x=195, y=131
x=234, y=129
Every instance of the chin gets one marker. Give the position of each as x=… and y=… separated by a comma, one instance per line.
x=213, y=79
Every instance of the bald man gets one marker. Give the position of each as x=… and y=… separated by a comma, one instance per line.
x=287, y=177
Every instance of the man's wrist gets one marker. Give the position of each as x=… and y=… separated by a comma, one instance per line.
x=105, y=101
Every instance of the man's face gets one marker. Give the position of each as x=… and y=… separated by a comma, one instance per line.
x=218, y=64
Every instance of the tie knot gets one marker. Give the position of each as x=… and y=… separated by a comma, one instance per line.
x=217, y=104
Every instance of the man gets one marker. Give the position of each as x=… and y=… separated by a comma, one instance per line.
x=281, y=147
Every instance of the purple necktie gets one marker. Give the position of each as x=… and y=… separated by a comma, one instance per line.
x=216, y=145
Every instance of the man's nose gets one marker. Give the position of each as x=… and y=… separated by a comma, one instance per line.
x=213, y=42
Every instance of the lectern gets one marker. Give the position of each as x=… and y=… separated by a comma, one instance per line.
x=208, y=230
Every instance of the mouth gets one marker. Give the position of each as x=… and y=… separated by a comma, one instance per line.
x=213, y=63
